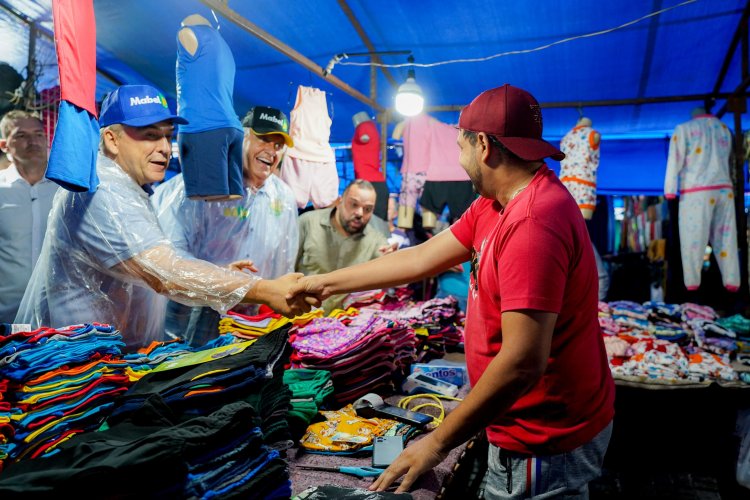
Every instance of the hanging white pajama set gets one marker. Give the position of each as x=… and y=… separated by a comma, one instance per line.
x=699, y=163
x=309, y=168
x=578, y=169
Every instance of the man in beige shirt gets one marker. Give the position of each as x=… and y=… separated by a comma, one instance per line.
x=341, y=236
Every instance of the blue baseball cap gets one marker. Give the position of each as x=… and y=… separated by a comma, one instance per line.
x=137, y=106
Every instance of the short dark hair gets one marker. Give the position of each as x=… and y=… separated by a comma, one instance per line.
x=11, y=117
x=512, y=157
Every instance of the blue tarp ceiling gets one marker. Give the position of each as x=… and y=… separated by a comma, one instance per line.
x=679, y=52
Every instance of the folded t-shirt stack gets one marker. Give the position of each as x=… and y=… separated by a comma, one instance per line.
x=309, y=388
x=363, y=354
x=438, y=323
x=56, y=383
x=250, y=327
x=198, y=425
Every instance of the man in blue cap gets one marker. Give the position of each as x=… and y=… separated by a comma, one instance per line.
x=105, y=257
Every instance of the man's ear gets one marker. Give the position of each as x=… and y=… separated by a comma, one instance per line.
x=484, y=148
x=111, y=142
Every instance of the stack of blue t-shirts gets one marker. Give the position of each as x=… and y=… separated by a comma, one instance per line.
x=57, y=383
x=196, y=428
x=630, y=314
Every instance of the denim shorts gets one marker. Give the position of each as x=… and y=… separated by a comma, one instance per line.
x=211, y=162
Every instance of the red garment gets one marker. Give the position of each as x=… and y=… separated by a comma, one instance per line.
x=75, y=40
x=536, y=254
x=55, y=441
x=50, y=101
x=366, y=155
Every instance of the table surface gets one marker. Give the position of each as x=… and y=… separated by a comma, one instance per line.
x=426, y=487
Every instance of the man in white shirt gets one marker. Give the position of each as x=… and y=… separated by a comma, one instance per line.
x=25, y=201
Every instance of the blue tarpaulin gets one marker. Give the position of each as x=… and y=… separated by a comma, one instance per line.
x=676, y=53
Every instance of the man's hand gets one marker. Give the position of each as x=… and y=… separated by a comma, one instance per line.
x=310, y=287
x=242, y=265
x=389, y=248
x=418, y=458
x=274, y=293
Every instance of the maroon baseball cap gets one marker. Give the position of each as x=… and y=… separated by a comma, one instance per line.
x=514, y=118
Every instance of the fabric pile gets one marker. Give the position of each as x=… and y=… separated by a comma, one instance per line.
x=673, y=343
x=309, y=388
x=438, y=323
x=344, y=433
x=251, y=327
x=362, y=353
x=203, y=424
x=56, y=383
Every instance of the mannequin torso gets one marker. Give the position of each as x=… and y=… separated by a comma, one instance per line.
x=186, y=36
x=578, y=169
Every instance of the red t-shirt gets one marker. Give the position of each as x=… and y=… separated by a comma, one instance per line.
x=366, y=155
x=536, y=254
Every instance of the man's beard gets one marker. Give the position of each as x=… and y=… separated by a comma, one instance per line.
x=349, y=229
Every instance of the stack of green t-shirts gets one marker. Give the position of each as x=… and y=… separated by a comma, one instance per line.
x=309, y=389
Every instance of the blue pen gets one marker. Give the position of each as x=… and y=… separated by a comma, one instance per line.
x=354, y=471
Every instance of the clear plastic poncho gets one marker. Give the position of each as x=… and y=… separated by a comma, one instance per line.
x=261, y=227
x=105, y=258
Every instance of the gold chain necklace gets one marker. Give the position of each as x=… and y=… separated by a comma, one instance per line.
x=516, y=193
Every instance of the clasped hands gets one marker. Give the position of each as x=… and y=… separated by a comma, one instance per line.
x=293, y=294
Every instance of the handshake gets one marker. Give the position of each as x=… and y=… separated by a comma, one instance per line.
x=292, y=294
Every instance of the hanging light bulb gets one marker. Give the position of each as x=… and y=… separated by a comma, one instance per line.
x=409, y=98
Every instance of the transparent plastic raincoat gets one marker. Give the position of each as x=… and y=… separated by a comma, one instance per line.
x=261, y=227
x=106, y=259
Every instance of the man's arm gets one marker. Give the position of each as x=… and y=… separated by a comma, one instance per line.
x=527, y=337
x=196, y=282
x=411, y=264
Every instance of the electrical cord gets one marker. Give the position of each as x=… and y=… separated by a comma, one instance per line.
x=437, y=420
x=514, y=52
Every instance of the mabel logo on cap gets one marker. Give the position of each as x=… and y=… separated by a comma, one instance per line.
x=281, y=122
x=138, y=101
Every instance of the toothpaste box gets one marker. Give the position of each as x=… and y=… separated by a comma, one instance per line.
x=455, y=375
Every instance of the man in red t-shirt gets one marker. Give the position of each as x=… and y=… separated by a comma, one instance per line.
x=541, y=384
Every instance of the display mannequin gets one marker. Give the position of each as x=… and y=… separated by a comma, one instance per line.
x=366, y=158
x=405, y=212
x=699, y=161
x=431, y=173
x=211, y=143
x=578, y=174
x=578, y=169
